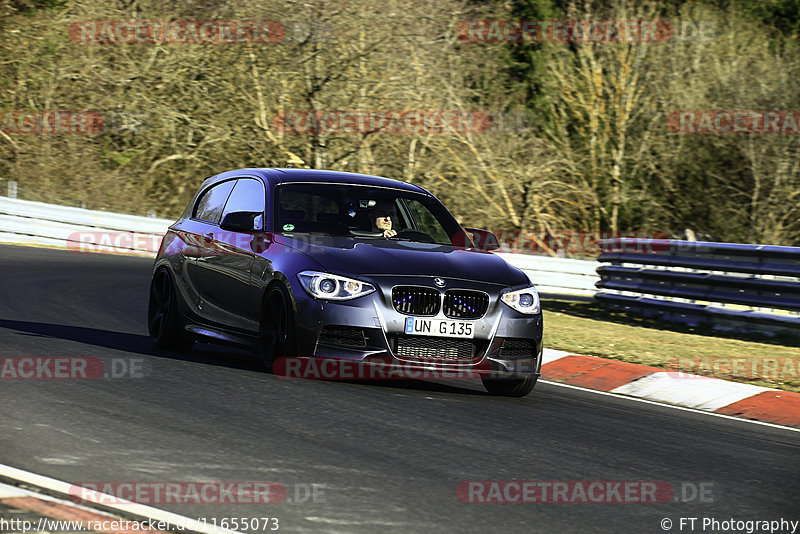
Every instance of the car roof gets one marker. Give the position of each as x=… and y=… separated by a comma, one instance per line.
x=276, y=176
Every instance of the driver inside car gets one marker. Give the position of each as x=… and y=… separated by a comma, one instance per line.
x=382, y=220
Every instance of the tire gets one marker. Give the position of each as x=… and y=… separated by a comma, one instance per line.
x=275, y=336
x=163, y=322
x=509, y=387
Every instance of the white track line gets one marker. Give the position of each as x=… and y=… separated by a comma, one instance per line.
x=124, y=506
x=665, y=405
x=11, y=492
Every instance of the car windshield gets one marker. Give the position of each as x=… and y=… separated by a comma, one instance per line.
x=362, y=212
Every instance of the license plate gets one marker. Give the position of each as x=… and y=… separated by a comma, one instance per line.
x=439, y=327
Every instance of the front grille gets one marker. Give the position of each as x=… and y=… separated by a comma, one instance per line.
x=517, y=349
x=413, y=300
x=343, y=336
x=465, y=304
x=435, y=348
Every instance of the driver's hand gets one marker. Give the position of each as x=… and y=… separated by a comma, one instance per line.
x=389, y=233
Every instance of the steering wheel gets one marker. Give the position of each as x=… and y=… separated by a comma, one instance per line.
x=414, y=235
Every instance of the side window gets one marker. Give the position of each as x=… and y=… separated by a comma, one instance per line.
x=248, y=195
x=209, y=207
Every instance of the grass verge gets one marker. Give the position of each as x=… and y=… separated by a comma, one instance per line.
x=586, y=328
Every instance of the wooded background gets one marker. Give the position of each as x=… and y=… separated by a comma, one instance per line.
x=578, y=139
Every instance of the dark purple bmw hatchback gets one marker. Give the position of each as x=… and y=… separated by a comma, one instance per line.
x=322, y=264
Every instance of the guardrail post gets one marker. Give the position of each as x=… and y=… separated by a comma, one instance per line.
x=12, y=189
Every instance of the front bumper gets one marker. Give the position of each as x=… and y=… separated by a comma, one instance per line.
x=368, y=329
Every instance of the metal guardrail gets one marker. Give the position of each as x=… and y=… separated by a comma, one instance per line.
x=727, y=286
x=82, y=230
x=557, y=277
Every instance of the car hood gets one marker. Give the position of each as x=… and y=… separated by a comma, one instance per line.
x=381, y=257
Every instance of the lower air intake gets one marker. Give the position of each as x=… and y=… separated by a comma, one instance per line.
x=343, y=336
x=435, y=348
x=517, y=349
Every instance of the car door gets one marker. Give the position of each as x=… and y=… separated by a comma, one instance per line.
x=199, y=231
x=224, y=269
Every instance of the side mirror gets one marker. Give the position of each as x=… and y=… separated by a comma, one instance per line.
x=240, y=221
x=483, y=239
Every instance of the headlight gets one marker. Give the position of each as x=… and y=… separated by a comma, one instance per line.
x=333, y=287
x=523, y=300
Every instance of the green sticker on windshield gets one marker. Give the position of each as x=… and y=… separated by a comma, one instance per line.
x=288, y=227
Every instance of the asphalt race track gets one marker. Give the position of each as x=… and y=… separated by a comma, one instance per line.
x=384, y=456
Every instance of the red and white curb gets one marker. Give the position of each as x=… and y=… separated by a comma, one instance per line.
x=66, y=510
x=682, y=389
